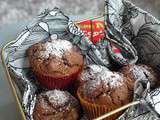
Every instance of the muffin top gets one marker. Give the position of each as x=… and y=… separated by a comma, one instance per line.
x=55, y=101
x=140, y=72
x=57, y=98
x=55, y=57
x=90, y=72
x=109, y=88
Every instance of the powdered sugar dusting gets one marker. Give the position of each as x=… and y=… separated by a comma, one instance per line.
x=92, y=85
x=91, y=71
x=112, y=79
x=104, y=78
x=57, y=97
x=96, y=68
x=55, y=47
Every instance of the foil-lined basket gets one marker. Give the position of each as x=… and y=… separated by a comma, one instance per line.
x=130, y=34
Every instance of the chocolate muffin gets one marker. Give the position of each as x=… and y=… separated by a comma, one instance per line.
x=55, y=62
x=56, y=105
x=105, y=93
x=140, y=71
x=109, y=88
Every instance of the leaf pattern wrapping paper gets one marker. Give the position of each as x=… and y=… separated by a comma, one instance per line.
x=128, y=28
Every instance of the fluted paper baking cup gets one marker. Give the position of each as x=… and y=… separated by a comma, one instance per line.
x=94, y=110
x=50, y=82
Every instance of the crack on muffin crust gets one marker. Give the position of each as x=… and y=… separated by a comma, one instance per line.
x=57, y=98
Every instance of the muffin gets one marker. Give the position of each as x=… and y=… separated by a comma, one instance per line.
x=56, y=105
x=137, y=72
x=108, y=91
x=55, y=62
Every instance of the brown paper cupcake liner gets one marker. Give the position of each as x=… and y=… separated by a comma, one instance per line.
x=94, y=110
